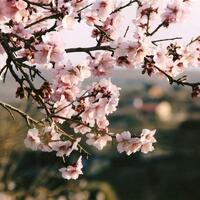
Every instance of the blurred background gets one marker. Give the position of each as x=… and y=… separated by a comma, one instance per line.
x=170, y=172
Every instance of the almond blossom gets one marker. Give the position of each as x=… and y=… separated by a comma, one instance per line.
x=127, y=144
x=32, y=140
x=147, y=139
x=102, y=64
x=78, y=91
x=98, y=141
x=12, y=9
x=130, y=54
x=175, y=12
x=103, y=8
x=130, y=145
x=80, y=128
x=103, y=100
x=62, y=148
x=64, y=109
x=133, y=146
x=50, y=50
x=123, y=141
x=48, y=136
x=1, y=49
x=72, y=171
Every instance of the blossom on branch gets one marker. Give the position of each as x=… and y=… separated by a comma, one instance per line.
x=72, y=171
x=80, y=94
x=129, y=144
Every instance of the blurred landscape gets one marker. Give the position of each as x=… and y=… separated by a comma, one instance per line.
x=170, y=172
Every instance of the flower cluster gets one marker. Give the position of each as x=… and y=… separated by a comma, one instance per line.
x=52, y=140
x=33, y=36
x=175, y=12
x=129, y=144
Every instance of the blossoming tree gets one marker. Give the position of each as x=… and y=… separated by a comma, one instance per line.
x=30, y=40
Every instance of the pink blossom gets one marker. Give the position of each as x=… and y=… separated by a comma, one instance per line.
x=12, y=9
x=71, y=75
x=32, y=140
x=63, y=109
x=99, y=141
x=80, y=128
x=148, y=8
x=103, y=100
x=189, y=56
x=51, y=50
x=93, y=112
x=112, y=23
x=102, y=123
x=175, y=12
x=111, y=91
x=91, y=18
x=48, y=136
x=131, y=53
x=133, y=146
x=22, y=13
x=19, y=30
x=68, y=21
x=72, y=171
x=65, y=88
x=41, y=54
x=103, y=8
x=123, y=141
x=147, y=139
x=8, y=9
x=1, y=49
x=127, y=144
x=65, y=148
x=102, y=64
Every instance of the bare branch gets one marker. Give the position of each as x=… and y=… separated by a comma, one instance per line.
x=177, y=81
x=55, y=16
x=28, y=118
x=89, y=49
x=166, y=39
x=125, y=6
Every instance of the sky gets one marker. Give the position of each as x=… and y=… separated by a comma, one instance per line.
x=190, y=28
x=80, y=36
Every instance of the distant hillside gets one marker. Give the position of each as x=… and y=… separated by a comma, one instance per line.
x=126, y=79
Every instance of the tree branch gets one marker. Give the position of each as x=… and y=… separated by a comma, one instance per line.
x=124, y=6
x=28, y=118
x=89, y=49
x=177, y=81
x=43, y=19
x=166, y=39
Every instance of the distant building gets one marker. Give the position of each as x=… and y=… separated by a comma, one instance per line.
x=164, y=111
x=137, y=103
x=155, y=92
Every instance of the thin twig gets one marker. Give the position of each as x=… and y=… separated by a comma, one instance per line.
x=43, y=19
x=155, y=30
x=166, y=39
x=80, y=147
x=89, y=49
x=124, y=6
x=127, y=29
x=28, y=118
x=177, y=81
x=194, y=40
